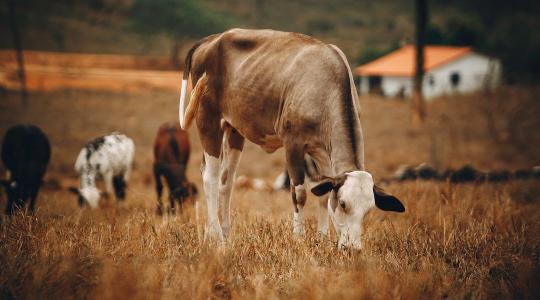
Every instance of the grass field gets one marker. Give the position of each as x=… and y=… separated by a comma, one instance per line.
x=454, y=241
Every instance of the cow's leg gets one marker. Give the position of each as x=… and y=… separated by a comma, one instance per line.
x=210, y=174
x=127, y=175
x=295, y=167
x=332, y=204
x=172, y=208
x=18, y=205
x=211, y=135
x=125, y=178
x=119, y=187
x=159, y=189
x=231, y=150
x=108, y=178
x=9, y=206
x=323, y=167
x=33, y=198
x=322, y=220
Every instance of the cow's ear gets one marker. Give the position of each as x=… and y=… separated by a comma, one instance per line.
x=193, y=189
x=74, y=190
x=323, y=187
x=387, y=202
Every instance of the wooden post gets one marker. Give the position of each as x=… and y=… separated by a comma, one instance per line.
x=18, y=47
x=417, y=102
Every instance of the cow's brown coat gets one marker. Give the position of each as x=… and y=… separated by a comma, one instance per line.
x=171, y=155
x=278, y=88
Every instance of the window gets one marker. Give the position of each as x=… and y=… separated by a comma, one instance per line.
x=375, y=85
x=431, y=80
x=455, y=78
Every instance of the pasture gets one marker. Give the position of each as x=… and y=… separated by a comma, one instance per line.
x=454, y=241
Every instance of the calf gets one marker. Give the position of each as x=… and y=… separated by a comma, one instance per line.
x=26, y=152
x=171, y=155
x=108, y=157
x=281, y=89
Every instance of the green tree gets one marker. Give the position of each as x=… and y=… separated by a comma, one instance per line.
x=181, y=20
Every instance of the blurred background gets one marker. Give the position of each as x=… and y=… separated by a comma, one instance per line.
x=87, y=60
x=364, y=29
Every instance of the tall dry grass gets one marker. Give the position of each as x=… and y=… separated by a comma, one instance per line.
x=466, y=241
x=454, y=241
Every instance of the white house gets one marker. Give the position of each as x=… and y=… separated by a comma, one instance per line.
x=448, y=70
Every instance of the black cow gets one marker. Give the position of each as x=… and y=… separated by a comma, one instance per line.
x=25, y=153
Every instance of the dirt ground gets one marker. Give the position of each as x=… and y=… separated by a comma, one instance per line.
x=454, y=241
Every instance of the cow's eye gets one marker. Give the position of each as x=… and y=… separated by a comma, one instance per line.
x=343, y=205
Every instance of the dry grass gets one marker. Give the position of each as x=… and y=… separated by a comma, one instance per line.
x=455, y=241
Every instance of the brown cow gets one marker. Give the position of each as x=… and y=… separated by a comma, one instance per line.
x=171, y=155
x=281, y=89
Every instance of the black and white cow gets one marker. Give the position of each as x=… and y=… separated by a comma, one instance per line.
x=108, y=157
x=26, y=152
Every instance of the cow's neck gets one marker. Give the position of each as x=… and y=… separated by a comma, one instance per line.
x=344, y=142
x=88, y=179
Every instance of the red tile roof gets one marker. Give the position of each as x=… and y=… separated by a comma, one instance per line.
x=402, y=61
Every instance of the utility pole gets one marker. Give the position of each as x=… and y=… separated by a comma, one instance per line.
x=418, y=105
x=19, y=49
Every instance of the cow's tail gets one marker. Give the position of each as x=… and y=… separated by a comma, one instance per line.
x=196, y=95
x=185, y=78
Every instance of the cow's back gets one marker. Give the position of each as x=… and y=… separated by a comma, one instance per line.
x=114, y=151
x=171, y=145
x=263, y=73
x=26, y=152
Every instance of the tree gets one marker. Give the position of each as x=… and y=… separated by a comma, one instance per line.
x=179, y=19
x=19, y=49
x=418, y=104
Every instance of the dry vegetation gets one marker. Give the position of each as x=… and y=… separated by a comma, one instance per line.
x=455, y=241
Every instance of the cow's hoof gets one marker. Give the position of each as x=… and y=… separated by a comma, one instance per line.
x=214, y=234
x=322, y=234
x=299, y=231
x=226, y=230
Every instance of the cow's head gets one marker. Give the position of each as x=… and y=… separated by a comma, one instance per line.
x=185, y=191
x=89, y=194
x=13, y=190
x=10, y=186
x=353, y=195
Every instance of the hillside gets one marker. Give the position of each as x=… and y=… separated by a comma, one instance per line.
x=85, y=28
x=363, y=29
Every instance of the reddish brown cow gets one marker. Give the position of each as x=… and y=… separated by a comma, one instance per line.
x=171, y=155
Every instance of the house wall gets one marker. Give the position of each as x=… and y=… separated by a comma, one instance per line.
x=397, y=86
x=475, y=72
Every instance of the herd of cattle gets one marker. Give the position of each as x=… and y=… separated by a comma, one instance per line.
x=275, y=89
x=26, y=152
